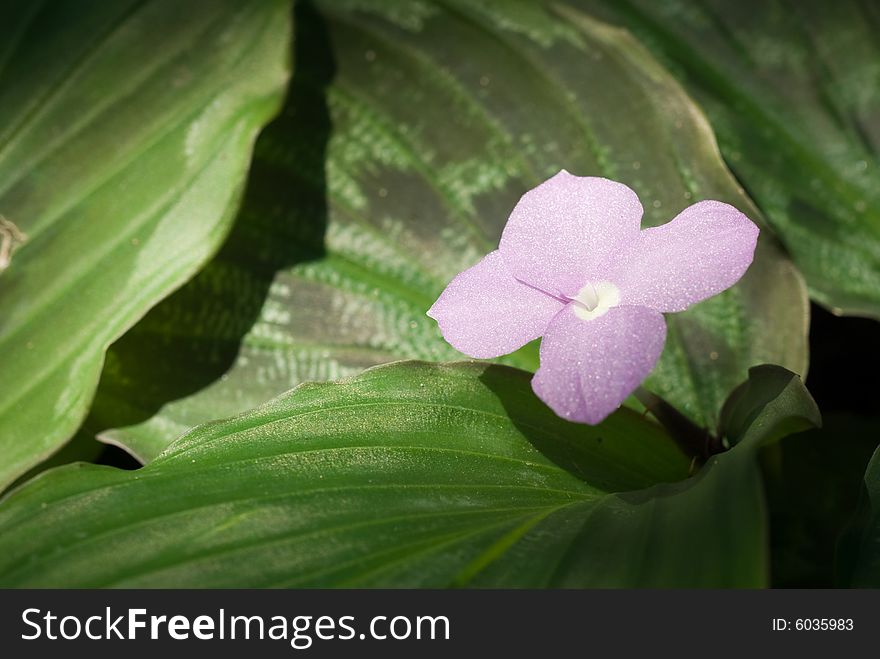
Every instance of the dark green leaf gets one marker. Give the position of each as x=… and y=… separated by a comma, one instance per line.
x=394, y=166
x=866, y=572
x=125, y=134
x=773, y=389
x=793, y=93
x=410, y=474
x=813, y=483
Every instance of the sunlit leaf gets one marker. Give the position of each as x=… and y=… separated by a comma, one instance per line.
x=125, y=134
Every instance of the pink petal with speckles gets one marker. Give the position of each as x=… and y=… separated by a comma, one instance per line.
x=588, y=367
x=561, y=234
x=703, y=251
x=485, y=312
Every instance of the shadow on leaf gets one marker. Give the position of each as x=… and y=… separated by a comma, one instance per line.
x=282, y=222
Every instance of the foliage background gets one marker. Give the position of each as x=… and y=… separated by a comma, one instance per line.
x=400, y=140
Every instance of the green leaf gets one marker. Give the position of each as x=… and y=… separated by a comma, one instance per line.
x=813, y=484
x=125, y=135
x=82, y=447
x=793, y=93
x=411, y=474
x=394, y=166
x=793, y=409
x=866, y=570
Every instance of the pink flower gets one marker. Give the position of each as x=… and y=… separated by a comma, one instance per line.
x=574, y=267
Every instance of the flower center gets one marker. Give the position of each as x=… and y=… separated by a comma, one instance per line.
x=594, y=300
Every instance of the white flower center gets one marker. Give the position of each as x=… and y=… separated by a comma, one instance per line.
x=594, y=300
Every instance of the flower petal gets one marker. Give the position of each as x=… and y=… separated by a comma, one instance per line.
x=560, y=234
x=588, y=367
x=485, y=312
x=703, y=251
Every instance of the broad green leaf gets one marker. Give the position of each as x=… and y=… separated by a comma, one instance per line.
x=710, y=530
x=410, y=474
x=394, y=166
x=793, y=93
x=866, y=572
x=125, y=134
